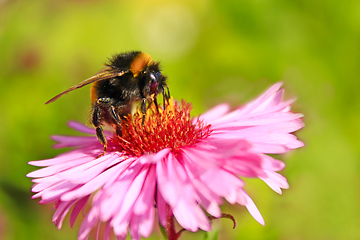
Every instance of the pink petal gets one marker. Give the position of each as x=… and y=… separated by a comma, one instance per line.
x=251, y=207
x=271, y=164
x=161, y=208
x=114, y=195
x=133, y=192
x=222, y=183
x=89, y=222
x=214, y=113
x=62, y=158
x=169, y=181
x=275, y=181
x=84, y=129
x=81, y=127
x=147, y=194
x=154, y=158
x=86, y=171
x=56, y=168
x=245, y=164
x=60, y=213
x=78, y=207
x=56, y=190
x=134, y=228
x=92, y=185
x=70, y=141
x=265, y=99
x=272, y=118
x=206, y=198
x=189, y=214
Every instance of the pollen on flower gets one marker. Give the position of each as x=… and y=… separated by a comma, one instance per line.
x=169, y=128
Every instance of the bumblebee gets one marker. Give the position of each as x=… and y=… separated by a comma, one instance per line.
x=127, y=78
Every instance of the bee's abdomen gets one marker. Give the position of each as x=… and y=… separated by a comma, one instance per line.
x=124, y=88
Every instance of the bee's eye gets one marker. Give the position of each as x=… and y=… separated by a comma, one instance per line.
x=157, y=75
x=154, y=76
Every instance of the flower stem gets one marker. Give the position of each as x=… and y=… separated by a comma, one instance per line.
x=170, y=225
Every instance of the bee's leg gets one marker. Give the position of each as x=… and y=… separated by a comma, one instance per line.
x=143, y=110
x=166, y=96
x=168, y=92
x=156, y=104
x=96, y=120
x=110, y=105
x=163, y=93
x=115, y=116
x=165, y=99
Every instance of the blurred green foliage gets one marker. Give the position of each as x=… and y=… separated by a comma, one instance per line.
x=213, y=52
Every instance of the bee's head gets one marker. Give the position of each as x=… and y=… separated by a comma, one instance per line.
x=154, y=80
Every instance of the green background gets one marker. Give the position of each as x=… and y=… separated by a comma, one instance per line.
x=213, y=52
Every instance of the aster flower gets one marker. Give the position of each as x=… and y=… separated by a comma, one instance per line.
x=173, y=166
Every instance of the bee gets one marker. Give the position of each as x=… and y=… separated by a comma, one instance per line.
x=127, y=78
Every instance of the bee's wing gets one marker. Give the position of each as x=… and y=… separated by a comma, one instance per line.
x=105, y=73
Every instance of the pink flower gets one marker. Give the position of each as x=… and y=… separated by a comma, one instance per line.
x=173, y=166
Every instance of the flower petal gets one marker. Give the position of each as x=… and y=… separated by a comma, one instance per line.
x=214, y=113
x=253, y=210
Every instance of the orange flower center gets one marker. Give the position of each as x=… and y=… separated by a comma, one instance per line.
x=170, y=128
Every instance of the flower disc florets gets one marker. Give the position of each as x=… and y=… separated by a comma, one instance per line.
x=169, y=128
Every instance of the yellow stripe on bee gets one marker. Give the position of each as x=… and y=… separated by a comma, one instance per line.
x=93, y=95
x=139, y=62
